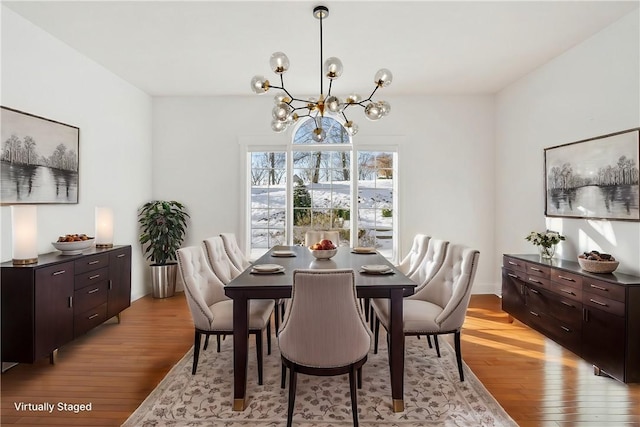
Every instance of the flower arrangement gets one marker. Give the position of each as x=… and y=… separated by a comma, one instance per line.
x=546, y=239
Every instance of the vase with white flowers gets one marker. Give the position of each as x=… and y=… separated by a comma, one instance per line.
x=546, y=242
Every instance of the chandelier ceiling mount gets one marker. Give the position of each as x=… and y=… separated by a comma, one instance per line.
x=289, y=109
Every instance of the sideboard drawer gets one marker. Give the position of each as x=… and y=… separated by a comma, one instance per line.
x=539, y=281
x=92, y=262
x=90, y=296
x=566, y=278
x=89, y=319
x=604, y=289
x=604, y=304
x=513, y=264
x=538, y=270
x=91, y=277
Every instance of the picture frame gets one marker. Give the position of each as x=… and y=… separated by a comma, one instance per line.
x=39, y=160
x=595, y=178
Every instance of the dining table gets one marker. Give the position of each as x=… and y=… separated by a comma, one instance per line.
x=392, y=285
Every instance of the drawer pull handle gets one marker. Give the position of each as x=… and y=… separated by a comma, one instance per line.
x=121, y=255
x=513, y=263
x=567, y=304
x=93, y=316
x=70, y=302
x=534, y=291
x=564, y=328
x=512, y=275
x=600, y=288
x=536, y=269
x=57, y=273
x=534, y=313
x=567, y=292
x=94, y=262
x=566, y=278
x=598, y=302
x=93, y=291
x=534, y=280
x=94, y=277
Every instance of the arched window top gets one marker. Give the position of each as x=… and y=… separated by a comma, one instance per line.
x=335, y=132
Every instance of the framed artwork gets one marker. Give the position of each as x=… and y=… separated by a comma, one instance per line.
x=39, y=159
x=596, y=178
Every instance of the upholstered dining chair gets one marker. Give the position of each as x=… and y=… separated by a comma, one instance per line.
x=235, y=254
x=313, y=343
x=431, y=263
x=211, y=310
x=219, y=261
x=412, y=260
x=440, y=307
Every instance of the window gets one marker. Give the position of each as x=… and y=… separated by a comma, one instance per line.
x=323, y=186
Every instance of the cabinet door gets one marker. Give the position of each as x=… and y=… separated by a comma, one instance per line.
x=53, y=308
x=513, y=301
x=119, y=296
x=603, y=341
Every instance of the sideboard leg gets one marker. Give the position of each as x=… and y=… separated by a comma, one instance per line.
x=53, y=356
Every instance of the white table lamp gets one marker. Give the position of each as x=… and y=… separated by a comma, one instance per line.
x=104, y=227
x=24, y=229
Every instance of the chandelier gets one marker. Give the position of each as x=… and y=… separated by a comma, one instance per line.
x=288, y=109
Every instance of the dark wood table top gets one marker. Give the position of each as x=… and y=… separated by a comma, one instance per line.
x=279, y=285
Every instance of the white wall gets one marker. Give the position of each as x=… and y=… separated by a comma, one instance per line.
x=43, y=76
x=445, y=167
x=591, y=90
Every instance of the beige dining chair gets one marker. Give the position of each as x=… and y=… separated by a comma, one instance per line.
x=441, y=306
x=219, y=260
x=314, y=236
x=211, y=310
x=412, y=260
x=313, y=343
x=235, y=254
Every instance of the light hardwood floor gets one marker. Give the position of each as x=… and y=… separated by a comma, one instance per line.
x=115, y=366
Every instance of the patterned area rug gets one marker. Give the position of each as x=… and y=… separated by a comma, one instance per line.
x=434, y=395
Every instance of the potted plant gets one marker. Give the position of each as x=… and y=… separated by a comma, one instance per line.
x=162, y=228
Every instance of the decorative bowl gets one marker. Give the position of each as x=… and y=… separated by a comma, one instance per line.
x=73, y=248
x=600, y=267
x=323, y=254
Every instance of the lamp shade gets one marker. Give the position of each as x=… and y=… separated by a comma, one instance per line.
x=24, y=229
x=104, y=227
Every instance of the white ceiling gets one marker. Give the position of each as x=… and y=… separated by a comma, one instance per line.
x=215, y=47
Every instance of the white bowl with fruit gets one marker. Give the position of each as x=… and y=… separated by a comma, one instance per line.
x=324, y=249
x=73, y=244
x=596, y=262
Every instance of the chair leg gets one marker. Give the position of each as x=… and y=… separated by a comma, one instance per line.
x=268, y=337
x=218, y=341
x=206, y=342
x=196, y=351
x=435, y=341
x=360, y=377
x=376, y=332
x=259, y=355
x=282, y=311
x=283, y=377
x=456, y=339
x=276, y=317
x=429, y=341
x=367, y=306
x=354, y=395
x=293, y=377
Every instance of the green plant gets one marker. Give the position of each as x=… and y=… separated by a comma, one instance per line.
x=387, y=213
x=546, y=239
x=162, y=225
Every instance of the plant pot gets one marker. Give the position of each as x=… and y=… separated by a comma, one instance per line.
x=163, y=280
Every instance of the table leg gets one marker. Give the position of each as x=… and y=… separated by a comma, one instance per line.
x=396, y=346
x=240, y=351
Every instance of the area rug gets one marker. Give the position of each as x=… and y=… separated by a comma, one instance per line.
x=433, y=394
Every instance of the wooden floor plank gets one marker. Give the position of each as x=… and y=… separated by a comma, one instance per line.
x=116, y=366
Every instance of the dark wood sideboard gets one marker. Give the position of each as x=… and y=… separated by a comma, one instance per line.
x=48, y=304
x=596, y=316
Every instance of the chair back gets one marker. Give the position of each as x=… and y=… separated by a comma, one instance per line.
x=314, y=236
x=324, y=326
x=431, y=263
x=219, y=261
x=451, y=287
x=202, y=287
x=413, y=259
x=235, y=254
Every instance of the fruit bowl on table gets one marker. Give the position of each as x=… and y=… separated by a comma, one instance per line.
x=597, y=263
x=323, y=253
x=74, y=247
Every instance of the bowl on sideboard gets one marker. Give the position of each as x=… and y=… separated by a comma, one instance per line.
x=596, y=266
